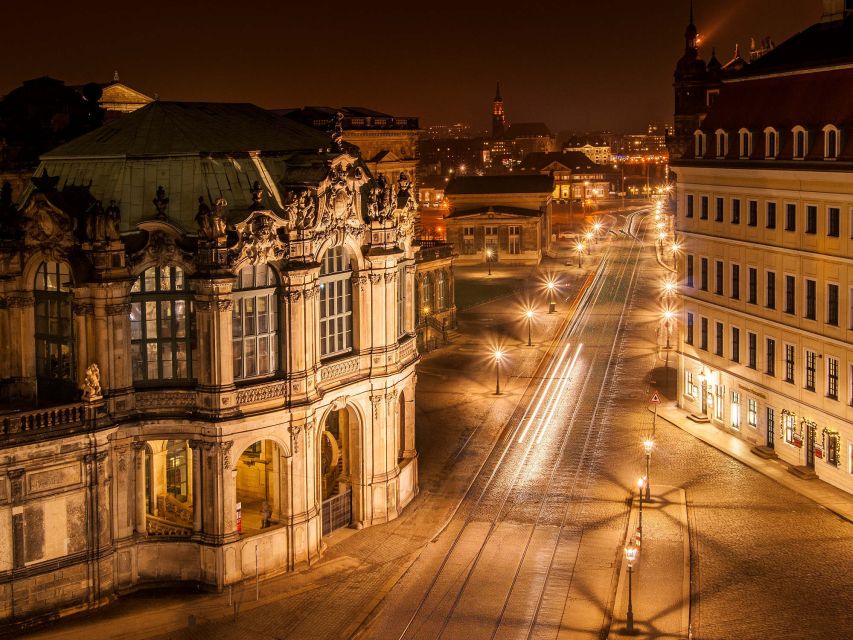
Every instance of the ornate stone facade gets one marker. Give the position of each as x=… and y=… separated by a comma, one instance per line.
x=206, y=370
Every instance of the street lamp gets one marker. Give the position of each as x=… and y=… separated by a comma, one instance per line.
x=498, y=357
x=489, y=260
x=648, y=444
x=669, y=287
x=631, y=553
x=588, y=237
x=579, y=249
x=552, y=307
x=529, y=314
x=667, y=322
x=641, y=482
x=597, y=228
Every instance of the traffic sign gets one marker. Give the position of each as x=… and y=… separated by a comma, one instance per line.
x=655, y=398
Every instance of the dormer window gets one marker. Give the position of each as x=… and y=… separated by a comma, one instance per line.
x=699, y=139
x=722, y=143
x=745, y=143
x=771, y=143
x=831, y=139
x=800, y=142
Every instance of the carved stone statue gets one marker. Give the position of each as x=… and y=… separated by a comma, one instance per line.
x=102, y=225
x=379, y=201
x=405, y=197
x=301, y=209
x=257, y=196
x=260, y=240
x=338, y=132
x=211, y=223
x=161, y=203
x=91, y=385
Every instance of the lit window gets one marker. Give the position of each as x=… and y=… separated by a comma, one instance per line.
x=160, y=326
x=254, y=322
x=176, y=470
x=736, y=409
x=752, y=412
x=335, y=303
x=54, y=341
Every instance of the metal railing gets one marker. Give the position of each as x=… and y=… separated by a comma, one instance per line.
x=337, y=512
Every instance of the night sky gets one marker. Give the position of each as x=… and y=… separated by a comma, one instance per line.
x=575, y=65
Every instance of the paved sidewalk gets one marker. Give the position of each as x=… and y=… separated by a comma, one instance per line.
x=661, y=573
x=829, y=497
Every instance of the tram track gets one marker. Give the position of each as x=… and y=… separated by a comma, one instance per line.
x=560, y=371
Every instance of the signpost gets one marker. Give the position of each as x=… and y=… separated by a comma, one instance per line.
x=655, y=401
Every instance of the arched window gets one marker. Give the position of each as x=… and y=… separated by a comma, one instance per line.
x=160, y=326
x=440, y=291
x=800, y=143
x=335, y=303
x=54, y=336
x=401, y=300
x=177, y=481
x=699, y=139
x=771, y=143
x=254, y=322
x=427, y=297
x=745, y=143
x=830, y=142
x=722, y=143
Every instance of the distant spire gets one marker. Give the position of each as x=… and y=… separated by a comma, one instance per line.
x=691, y=11
x=498, y=92
x=115, y=76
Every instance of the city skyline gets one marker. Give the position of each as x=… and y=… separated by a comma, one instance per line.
x=454, y=56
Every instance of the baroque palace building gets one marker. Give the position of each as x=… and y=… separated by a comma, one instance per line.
x=765, y=209
x=207, y=355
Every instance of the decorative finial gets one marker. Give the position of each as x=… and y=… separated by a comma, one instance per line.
x=338, y=132
x=115, y=76
x=257, y=195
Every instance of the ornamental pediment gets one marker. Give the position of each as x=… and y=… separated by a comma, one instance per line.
x=46, y=227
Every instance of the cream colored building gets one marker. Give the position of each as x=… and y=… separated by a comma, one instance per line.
x=233, y=293
x=765, y=209
x=599, y=154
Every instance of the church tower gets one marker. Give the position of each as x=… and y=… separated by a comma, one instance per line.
x=692, y=84
x=498, y=119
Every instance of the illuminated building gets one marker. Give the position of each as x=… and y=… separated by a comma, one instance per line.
x=765, y=212
x=234, y=295
x=576, y=177
x=500, y=219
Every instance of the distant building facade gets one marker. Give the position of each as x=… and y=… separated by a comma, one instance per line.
x=765, y=195
x=207, y=351
x=501, y=219
x=576, y=177
x=598, y=153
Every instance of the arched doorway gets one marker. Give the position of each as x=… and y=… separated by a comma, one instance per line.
x=261, y=478
x=336, y=469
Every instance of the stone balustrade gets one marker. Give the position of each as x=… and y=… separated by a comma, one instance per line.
x=39, y=420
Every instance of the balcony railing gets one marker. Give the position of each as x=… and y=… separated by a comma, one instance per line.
x=65, y=416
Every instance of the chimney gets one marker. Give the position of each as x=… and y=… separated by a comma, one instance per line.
x=835, y=10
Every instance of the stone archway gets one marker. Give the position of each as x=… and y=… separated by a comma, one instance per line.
x=260, y=486
x=339, y=465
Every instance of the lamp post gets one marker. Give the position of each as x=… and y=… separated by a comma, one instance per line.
x=489, y=260
x=597, y=229
x=667, y=322
x=631, y=552
x=579, y=249
x=529, y=314
x=552, y=307
x=640, y=484
x=648, y=444
x=588, y=237
x=498, y=356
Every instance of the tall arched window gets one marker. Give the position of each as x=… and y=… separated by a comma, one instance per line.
x=335, y=303
x=722, y=143
x=745, y=143
x=427, y=294
x=699, y=139
x=440, y=291
x=160, y=326
x=771, y=143
x=830, y=134
x=177, y=475
x=254, y=322
x=800, y=142
x=54, y=336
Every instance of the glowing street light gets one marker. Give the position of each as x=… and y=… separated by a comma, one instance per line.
x=529, y=315
x=498, y=354
x=668, y=315
x=588, y=237
x=551, y=286
x=631, y=553
x=641, y=482
x=579, y=248
x=489, y=260
x=648, y=445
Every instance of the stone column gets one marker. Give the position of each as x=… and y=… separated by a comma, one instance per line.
x=198, y=490
x=299, y=322
x=216, y=393
x=139, y=466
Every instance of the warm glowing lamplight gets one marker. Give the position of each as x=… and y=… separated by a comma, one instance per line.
x=647, y=445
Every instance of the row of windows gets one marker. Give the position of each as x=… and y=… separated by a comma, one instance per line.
x=162, y=318
x=491, y=241
x=772, y=143
x=810, y=217
x=731, y=345
x=769, y=285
